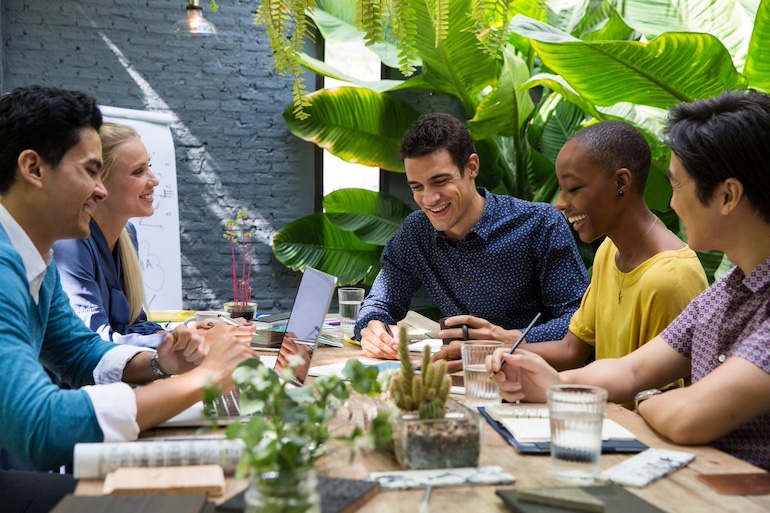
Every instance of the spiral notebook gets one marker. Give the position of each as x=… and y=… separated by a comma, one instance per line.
x=527, y=428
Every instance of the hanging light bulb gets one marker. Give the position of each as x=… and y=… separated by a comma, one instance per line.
x=194, y=23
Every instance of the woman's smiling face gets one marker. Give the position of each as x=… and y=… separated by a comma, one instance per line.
x=586, y=193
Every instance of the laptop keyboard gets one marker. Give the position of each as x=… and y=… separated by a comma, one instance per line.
x=226, y=405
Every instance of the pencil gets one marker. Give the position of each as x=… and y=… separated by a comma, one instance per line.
x=522, y=337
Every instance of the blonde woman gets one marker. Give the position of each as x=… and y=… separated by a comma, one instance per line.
x=101, y=274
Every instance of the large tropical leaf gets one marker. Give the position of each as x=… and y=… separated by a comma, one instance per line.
x=668, y=70
x=321, y=68
x=758, y=61
x=373, y=216
x=457, y=66
x=504, y=110
x=335, y=20
x=728, y=20
x=315, y=242
x=355, y=124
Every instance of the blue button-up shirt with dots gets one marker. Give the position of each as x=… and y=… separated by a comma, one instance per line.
x=518, y=260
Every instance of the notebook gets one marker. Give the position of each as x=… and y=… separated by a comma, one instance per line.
x=300, y=338
x=527, y=428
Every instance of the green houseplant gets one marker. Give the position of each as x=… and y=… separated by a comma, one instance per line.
x=430, y=431
x=240, y=238
x=616, y=59
x=293, y=430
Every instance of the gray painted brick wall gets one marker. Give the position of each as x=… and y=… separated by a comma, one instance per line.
x=233, y=149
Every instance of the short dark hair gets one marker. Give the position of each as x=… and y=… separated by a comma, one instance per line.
x=46, y=120
x=723, y=137
x=437, y=131
x=614, y=145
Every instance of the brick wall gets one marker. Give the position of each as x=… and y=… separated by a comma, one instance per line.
x=233, y=149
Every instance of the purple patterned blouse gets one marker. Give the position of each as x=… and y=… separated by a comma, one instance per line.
x=730, y=319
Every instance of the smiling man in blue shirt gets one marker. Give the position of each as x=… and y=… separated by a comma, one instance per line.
x=496, y=257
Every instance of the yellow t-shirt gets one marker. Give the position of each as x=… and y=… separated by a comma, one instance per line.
x=653, y=294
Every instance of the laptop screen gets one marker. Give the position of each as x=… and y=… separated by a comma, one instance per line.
x=305, y=322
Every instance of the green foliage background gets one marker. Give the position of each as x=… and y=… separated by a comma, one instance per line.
x=527, y=74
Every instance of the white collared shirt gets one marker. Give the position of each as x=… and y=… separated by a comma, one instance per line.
x=114, y=404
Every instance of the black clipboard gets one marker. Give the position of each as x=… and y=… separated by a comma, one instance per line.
x=608, y=446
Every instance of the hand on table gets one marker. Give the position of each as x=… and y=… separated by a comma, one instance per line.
x=377, y=343
x=525, y=375
x=478, y=329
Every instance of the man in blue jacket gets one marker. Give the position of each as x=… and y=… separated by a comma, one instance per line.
x=50, y=158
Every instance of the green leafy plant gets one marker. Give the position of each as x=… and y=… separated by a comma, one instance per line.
x=425, y=393
x=525, y=75
x=295, y=425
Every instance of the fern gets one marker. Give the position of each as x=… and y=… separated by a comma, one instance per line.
x=287, y=26
x=369, y=20
x=405, y=31
x=440, y=13
x=490, y=22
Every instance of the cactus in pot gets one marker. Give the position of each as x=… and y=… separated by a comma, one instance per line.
x=425, y=393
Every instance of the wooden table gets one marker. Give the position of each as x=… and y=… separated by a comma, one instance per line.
x=681, y=492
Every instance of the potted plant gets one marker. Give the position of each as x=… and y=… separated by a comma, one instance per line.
x=430, y=431
x=241, y=252
x=292, y=430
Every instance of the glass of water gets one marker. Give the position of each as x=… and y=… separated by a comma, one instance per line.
x=577, y=415
x=479, y=389
x=350, y=299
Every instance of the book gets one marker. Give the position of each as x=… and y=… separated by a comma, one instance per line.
x=616, y=499
x=337, y=496
x=189, y=479
x=96, y=460
x=133, y=504
x=527, y=428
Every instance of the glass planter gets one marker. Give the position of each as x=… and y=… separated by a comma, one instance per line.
x=245, y=310
x=451, y=442
x=287, y=492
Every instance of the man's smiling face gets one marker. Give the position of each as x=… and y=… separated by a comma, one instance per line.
x=442, y=192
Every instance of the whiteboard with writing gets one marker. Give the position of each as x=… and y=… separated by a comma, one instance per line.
x=159, y=248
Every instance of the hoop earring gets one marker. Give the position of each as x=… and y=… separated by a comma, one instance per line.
x=620, y=192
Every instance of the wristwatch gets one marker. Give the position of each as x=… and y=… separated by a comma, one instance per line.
x=643, y=396
x=156, y=367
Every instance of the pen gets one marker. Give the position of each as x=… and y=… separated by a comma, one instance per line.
x=522, y=337
x=387, y=328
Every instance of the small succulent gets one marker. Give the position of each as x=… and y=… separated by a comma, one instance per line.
x=426, y=392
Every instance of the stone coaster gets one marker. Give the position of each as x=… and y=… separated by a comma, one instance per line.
x=408, y=479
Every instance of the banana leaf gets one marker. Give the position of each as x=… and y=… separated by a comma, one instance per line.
x=335, y=20
x=672, y=68
x=355, y=124
x=372, y=216
x=315, y=242
x=758, y=61
x=728, y=20
x=457, y=66
x=504, y=110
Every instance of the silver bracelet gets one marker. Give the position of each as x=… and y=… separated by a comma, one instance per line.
x=156, y=367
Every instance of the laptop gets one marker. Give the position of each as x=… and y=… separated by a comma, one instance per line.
x=311, y=304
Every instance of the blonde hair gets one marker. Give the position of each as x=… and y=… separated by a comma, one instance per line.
x=112, y=136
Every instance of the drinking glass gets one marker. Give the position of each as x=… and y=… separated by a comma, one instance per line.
x=350, y=299
x=577, y=414
x=479, y=389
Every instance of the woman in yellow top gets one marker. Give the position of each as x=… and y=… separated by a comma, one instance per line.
x=643, y=274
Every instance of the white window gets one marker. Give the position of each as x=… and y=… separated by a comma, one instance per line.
x=356, y=60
